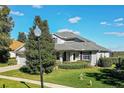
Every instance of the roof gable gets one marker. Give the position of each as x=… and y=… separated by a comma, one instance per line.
x=70, y=35
x=15, y=45
x=73, y=45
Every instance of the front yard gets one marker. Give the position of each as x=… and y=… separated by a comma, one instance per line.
x=16, y=84
x=11, y=61
x=72, y=77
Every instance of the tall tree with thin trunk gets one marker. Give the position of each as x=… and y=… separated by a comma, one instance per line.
x=22, y=37
x=47, y=48
x=6, y=25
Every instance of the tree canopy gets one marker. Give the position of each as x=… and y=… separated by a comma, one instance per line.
x=47, y=48
x=22, y=37
x=6, y=25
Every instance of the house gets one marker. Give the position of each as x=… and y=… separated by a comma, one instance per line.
x=16, y=49
x=70, y=47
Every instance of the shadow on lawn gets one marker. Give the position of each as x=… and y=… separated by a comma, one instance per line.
x=107, y=76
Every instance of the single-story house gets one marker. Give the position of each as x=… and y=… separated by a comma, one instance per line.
x=72, y=47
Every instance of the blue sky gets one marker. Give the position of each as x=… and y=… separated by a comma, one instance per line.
x=101, y=24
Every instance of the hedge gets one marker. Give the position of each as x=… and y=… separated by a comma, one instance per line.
x=74, y=65
x=107, y=62
x=120, y=64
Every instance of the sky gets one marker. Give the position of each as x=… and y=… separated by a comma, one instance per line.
x=101, y=24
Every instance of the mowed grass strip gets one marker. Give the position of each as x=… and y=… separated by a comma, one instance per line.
x=65, y=77
x=16, y=84
x=10, y=62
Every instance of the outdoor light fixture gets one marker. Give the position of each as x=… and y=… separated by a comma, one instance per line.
x=37, y=33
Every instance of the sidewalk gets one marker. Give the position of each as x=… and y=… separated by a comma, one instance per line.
x=50, y=85
x=8, y=68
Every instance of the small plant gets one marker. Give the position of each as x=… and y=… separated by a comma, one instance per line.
x=81, y=76
x=91, y=83
x=4, y=86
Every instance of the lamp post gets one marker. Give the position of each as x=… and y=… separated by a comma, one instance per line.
x=37, y=33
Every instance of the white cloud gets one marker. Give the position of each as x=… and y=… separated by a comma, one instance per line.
x=119, y=19
x=74, y=19
x=105, y=23
x=37, y=6
x=119, y=24
x=17, y=13
x=119, y=34
x=68, y=30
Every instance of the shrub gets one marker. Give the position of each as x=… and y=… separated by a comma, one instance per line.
x=107, y=62
x=4, y=56
x=120, y=64
x=12, y=61
x=74, y=65
x=25, y=69
x=104, y=62
x=119, y=74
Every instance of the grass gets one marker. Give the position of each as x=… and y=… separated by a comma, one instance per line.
x=16, y=84
x=66, y=77
x=11, y=61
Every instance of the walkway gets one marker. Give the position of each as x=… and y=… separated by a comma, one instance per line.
x=8, y=68
x=50, y=85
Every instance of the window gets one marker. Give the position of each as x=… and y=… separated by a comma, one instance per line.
x=86, y=57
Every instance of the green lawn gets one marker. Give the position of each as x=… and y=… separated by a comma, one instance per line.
x=10, y=62
x=68, y=77
x=16, y=84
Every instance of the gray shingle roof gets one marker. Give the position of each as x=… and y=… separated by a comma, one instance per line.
x=87, y=45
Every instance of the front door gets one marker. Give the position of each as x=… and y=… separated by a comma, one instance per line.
x=64, y=56
x=81, y=58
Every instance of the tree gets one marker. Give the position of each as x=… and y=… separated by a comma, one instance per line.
x=22, y=37
x=6, y=25
x=47, y=48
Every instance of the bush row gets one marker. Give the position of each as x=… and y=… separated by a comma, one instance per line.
x=74, y=65
x=108, y=62
x=119, y=74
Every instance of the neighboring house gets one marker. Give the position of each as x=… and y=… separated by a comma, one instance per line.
x=69, y=47
x=72, y=47
x=17, y=50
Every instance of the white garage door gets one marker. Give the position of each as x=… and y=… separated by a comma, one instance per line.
x=21, y=60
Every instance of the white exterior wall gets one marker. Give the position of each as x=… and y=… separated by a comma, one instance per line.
x=59, y=40
x=71, y=56
x=61, y=57
x=93, y=58
x=102, y=54
x=12, y=54
x=21, y=49
x=107, y=54
x=77, y=56
x=21, y=60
